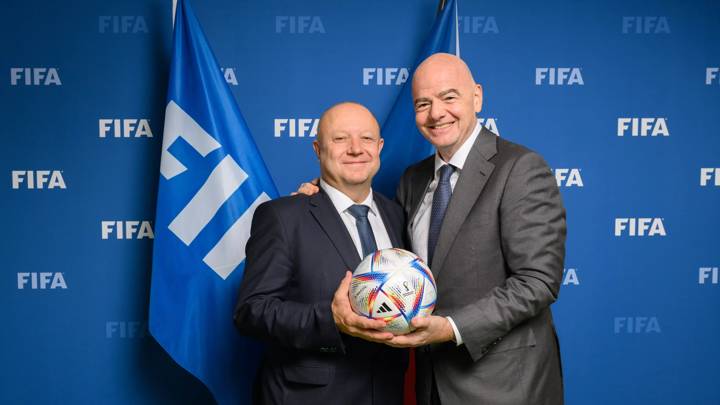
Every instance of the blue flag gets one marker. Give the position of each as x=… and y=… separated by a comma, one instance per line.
x=404, y=145
x=211, y=180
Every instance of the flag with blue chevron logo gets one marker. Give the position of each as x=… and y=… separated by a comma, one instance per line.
x=404, y=145
x=211, y=180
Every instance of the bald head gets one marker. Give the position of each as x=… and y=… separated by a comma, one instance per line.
x=444, y=64
x=344, y=114
x=348, y=146
x=446, y=99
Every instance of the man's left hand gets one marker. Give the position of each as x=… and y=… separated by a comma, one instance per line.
x=430, y=329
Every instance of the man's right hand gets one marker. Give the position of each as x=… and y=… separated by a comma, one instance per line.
x=308, y=188
x=349, y=322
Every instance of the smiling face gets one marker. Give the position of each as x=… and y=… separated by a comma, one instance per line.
x=348, y=147
x=446, y=100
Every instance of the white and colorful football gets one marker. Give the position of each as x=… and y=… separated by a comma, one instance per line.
x=393, y=285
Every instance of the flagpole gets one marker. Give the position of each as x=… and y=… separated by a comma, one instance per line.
x=457, y=31
x=441, y=6
x=174, y=9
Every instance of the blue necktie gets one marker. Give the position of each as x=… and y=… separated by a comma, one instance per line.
x=441, y=198
x=367, y=238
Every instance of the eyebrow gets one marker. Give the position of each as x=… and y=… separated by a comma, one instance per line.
x=441, y=94
x=448, y=91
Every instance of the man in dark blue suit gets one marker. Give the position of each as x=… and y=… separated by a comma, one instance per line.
x=298, y=253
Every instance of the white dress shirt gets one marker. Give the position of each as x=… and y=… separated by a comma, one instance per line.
x=342, y=202
x=420, y=224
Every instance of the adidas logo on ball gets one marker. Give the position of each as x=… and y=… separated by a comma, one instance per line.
x=384, y=308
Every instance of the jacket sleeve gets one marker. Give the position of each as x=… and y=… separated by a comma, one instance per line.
x=532, y=236
x=263, y=309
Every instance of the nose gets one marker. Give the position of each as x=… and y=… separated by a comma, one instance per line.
x=436, y=112
x=355, y=146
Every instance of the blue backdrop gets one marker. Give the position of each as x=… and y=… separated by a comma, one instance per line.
x=620, y=97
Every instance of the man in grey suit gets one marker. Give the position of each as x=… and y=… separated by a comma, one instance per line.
x=486, y=214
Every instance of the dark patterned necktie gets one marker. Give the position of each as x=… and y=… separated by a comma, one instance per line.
x=367, y=238
x=441, y=198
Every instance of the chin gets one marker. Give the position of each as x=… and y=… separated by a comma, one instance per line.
x=355, y=180
x=443, y=142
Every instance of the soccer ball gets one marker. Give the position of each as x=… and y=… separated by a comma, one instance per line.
x=393, y=285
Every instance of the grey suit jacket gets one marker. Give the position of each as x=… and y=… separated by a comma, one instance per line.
x=498, y=266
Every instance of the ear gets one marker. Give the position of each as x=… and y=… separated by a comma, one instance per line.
x=380, y=146
x=316, y=148
x=478, y=98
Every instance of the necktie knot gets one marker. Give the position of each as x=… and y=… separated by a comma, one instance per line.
x=445, y=172
x=359, y=211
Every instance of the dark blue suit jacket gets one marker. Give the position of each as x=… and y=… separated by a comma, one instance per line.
x=298, y=252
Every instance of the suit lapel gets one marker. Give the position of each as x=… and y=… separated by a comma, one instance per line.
x=326, y=215
x=471, y=182
x=420, y=182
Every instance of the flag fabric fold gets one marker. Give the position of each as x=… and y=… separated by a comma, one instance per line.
x=404, y=145
x=212, y=178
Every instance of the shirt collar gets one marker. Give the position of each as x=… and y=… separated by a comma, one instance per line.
x=342, y=202
x=459, y=158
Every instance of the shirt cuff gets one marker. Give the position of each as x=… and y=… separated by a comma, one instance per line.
x=458, y=338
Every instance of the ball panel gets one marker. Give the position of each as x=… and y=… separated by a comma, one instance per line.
x=393, y=285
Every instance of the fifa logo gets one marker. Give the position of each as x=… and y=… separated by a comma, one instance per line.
x=300, y=24
x=35, y=76
x=126, y=230
x=640, y=227
x=643, y=126
x=37, y=179
x=408, y=290
x=491, y=124
x=477, y=24
x=568, y=178
x=122, y=24
x=561, y=76
x=126, y=329
x=124, y=128
x=41, y=281
x=385, y=76
x=637, y=324
x=224, y=180
x=645, y=25
x=296, y=127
